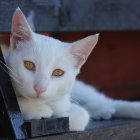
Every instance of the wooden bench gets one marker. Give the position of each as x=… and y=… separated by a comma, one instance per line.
x=65, y=15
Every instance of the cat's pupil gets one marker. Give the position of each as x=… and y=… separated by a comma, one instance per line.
x=58, y=72
x=29, y=65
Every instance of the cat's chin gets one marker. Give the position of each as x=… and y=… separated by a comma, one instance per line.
x=31, y=97
x=36, y=98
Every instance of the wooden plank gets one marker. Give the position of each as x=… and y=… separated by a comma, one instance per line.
x=103, y=130
x=36, y=128
x=65, y=15
x=100, y=15
x=11, y=120
x=44, y=12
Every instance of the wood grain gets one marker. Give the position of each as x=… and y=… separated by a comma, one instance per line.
x=76, y=15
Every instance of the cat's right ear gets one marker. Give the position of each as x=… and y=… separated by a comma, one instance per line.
x=81, y=49
x=20, y=28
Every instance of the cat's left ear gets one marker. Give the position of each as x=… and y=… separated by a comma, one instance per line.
x=81, y=49
x=20, y=27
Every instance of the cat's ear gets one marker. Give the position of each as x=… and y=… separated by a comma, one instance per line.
x=81, y=49
x=20, y=27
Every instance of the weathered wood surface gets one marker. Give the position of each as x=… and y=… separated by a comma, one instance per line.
x=75, y=15
x=103, y=130
x=11, y=120
x=36, y=128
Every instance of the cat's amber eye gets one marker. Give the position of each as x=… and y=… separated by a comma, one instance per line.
x=58, y=72
x=29, y=65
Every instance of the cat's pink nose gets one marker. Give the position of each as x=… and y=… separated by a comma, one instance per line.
x=39, y=90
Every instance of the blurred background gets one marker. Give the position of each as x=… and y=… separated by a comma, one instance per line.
x=114, y=65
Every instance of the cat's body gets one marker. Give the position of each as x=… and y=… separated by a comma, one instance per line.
x=43, y=71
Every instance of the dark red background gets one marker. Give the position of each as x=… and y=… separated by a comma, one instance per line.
x=114, y=65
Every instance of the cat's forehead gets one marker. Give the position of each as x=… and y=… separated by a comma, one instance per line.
x=47, y=41
x=43, y=47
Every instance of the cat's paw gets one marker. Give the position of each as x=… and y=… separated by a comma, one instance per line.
x=105, y=112
x=78, y=118
x=38, y=113
x=32, y=109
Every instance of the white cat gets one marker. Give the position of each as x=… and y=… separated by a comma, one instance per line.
x=43, y=72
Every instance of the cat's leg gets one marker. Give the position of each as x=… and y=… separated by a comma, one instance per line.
x=33, y=109
x=114, y=108
x=101, y=107
x=98, y=105
x=78, y=118
x=100, y=110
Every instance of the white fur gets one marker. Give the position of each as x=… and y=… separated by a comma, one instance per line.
x=34, y=109
x=78, y=117
x=97, y=104
x=101, y=107
x=63, y=96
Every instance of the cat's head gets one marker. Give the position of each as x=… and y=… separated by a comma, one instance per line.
x=41, y=66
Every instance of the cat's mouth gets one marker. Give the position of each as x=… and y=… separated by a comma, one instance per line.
x=37, y=97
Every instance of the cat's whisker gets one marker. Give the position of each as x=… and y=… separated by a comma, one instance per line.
x=18, y=83
x=12, y=73
x=4, y=69
x=6, y=66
